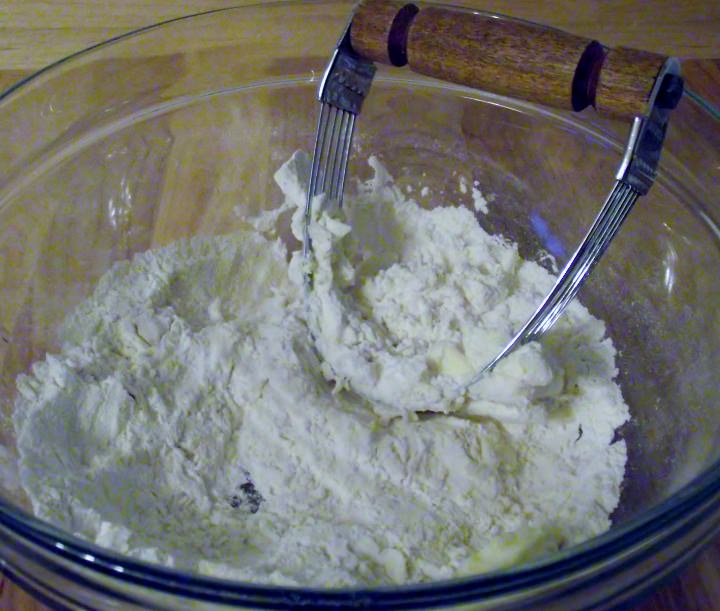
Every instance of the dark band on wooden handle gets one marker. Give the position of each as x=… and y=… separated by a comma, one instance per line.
x=379, y=31
x=506, y=56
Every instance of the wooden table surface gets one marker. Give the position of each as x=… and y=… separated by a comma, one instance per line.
x=34, y=33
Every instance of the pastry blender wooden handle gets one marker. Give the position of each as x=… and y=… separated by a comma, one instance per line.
x=507, y=56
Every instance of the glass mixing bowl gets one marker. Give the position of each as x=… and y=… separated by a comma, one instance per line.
x=167, y=131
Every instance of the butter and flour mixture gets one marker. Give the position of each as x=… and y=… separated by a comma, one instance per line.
x=189, y=421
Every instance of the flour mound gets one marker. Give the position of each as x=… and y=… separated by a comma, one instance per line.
x=188, y=420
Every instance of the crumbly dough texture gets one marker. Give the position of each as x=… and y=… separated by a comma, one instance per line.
x=189, y=421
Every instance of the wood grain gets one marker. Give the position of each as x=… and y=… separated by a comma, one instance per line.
x=509, y=57
x=13, y=597
x=371, y=29
x=626, y=80
x=34, y=33
x=504, y=56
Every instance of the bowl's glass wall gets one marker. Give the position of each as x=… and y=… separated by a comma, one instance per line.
x=162, y=136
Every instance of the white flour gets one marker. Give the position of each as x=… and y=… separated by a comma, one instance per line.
x=186, y=420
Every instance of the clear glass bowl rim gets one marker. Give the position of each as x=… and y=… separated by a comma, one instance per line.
x=702, y=491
